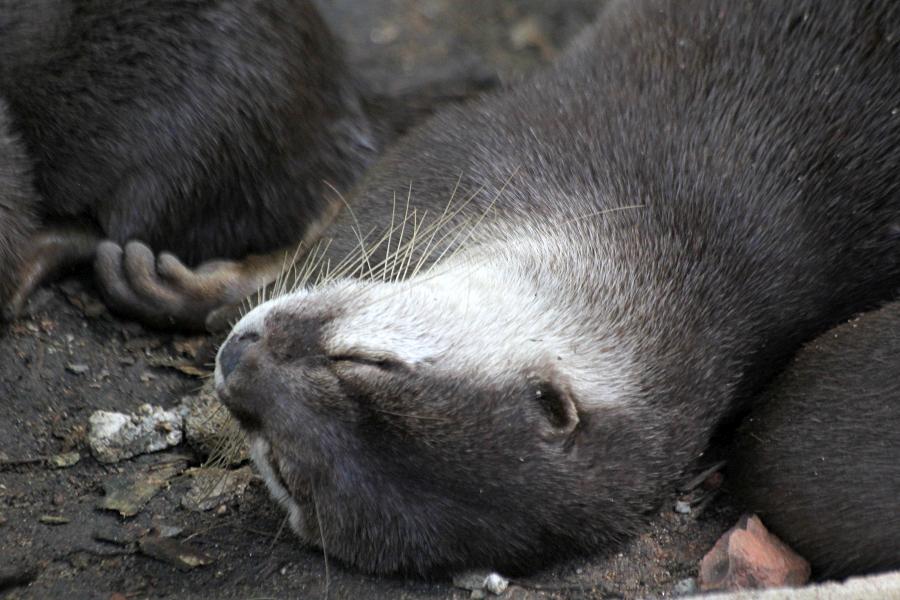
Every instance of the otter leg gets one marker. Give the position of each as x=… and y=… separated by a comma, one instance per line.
x=163, y=292
x=49, y=251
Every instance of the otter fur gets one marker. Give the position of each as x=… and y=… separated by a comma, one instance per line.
x=817, y=457
x=695, y=189
x=202, y=130
x=18, y=202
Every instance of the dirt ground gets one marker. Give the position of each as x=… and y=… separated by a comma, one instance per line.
x=69, y=357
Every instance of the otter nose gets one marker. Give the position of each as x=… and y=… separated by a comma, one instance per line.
x=234, y=348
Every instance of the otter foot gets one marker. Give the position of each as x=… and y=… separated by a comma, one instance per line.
x=163, y=292
x=49, y=251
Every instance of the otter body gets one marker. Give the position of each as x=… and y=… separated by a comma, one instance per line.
x=661, y=219
x=817, y=457
x=207, y=129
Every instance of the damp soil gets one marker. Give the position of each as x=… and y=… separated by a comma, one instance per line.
x=68, y=357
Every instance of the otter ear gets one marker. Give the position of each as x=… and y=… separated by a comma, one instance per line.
x=556, y=401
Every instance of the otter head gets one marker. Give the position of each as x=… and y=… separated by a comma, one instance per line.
x=437, y=423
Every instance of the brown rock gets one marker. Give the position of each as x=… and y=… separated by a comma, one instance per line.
x=748, y=556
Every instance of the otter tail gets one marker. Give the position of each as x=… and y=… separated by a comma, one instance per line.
x=819, y=458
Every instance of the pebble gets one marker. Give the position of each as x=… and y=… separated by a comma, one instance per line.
x=747, y=556
x=66, y=459
x=116, y=436
x=475, y=581
x=168, y=531
x=496, y=583
x=682, y=507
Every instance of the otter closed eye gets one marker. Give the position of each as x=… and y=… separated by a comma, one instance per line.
x=369, y=360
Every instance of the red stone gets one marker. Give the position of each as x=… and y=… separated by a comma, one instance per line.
x=747, y=556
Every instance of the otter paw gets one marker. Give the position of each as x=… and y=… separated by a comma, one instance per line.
x=161, y=291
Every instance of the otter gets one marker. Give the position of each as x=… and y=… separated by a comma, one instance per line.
x=209, y=130
x=653, y=226
x=817, y=455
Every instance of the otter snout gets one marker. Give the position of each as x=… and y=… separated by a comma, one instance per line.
x=251, y=364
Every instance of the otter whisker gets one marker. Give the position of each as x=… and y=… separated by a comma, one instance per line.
x=410, y=416
x=402, y=232
x=434, y=229
x=356, y=227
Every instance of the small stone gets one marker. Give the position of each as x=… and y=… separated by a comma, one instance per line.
x=748, y=556
x=496, y=583
x=173, y=552
x=59, y=499
x=682, y=507
x=477, y=595
x=66, y=459
x=685, y=587
x=470, y=580
x=168, y=531
x=54, y=520
x=116, y=436
x=77, y=368
x=213, y=487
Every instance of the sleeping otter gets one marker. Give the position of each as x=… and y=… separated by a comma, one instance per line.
x=653, y=226
x=205, y=130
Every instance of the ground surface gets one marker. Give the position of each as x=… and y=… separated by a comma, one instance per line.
x=68, y=357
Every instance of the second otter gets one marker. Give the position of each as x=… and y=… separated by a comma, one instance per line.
x=198, y=130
